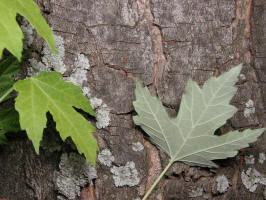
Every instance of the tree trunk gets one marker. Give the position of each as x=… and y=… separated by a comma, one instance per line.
x=162, y=43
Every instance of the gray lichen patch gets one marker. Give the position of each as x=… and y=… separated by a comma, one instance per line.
x=103, y=118
x=27, y=30
x=262, y=158
x=102, y=111
x=196, y=193
x=36, y=67
x=106, y=158
x=49, y=59
x=74, y=173
x=55, y=61
x=222, y=183
x=77, y=77
x=82, y=62
x=79, y=74
x=96, y=102
x=125, y=175
x=249, y=109
x=251, y=178
x=137, y=146
x=86, y=91
x=249, y=160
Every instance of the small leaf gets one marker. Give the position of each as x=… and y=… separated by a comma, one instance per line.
x=10, y=33
x=47, y=92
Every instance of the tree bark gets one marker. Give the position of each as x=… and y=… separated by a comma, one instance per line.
x=162, y=43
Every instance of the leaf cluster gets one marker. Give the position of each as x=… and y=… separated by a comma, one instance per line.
x=40, y=94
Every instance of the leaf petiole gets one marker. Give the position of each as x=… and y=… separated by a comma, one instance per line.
x=158, y=179
x=6, y=94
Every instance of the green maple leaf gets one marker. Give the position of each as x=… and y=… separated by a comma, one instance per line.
x=47, y=92
x=10, y=33
x=190, y=136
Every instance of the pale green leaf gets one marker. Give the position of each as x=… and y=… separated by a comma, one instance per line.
x=190, y=136
x=47, y=92
x=10, y=33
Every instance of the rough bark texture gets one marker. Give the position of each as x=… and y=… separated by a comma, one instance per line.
x=163, y=43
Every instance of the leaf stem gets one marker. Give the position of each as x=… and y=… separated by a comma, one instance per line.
x=7, y=93
x=158, y=179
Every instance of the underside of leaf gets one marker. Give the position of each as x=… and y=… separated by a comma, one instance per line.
x=190, y=136
x=49, y=93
